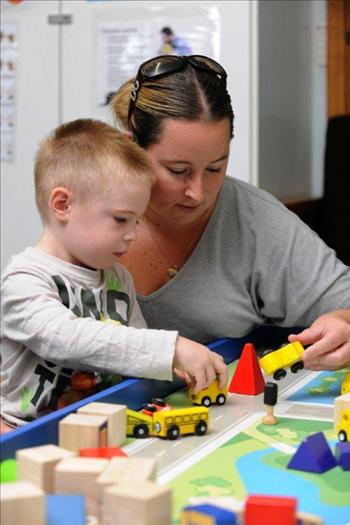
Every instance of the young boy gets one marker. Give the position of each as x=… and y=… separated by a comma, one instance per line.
x=68, y=306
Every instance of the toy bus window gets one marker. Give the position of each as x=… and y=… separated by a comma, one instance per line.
x=168, y=420
x=187, y=419
x=195, y=417
x=178, y=419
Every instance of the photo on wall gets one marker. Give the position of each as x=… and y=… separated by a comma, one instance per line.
x=122, y=45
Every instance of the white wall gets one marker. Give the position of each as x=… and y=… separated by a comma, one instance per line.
x=287, y=105
x=45, y=97
x=36, y=113
x=292, y=97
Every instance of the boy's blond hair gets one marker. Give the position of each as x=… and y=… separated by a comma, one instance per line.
x=86, y=156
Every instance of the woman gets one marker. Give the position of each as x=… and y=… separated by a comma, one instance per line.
x=214, y=255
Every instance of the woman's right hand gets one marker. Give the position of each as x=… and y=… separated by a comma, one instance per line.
x=197, y=365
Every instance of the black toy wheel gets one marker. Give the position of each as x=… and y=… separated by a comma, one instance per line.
x=297, y=367
x=221, y=398
x=141, y=431
x=201, y=428
x=206, y=401
x=279, y=374
x=173, y=432
x=342, y=436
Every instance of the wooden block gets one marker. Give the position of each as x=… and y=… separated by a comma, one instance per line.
x=225, y=502
x=8, y=470
x=136, y=503
x=125, y=470
x=261, y=508
x=63, y=509
x=36, y=464
x=22, y=502
x=78, y=431
x=304, y=518
x=91, y=520
x=340, y=404
x=78, y=476
x=116, y=420
x=102, y=452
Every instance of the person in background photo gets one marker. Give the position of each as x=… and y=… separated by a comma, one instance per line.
x=216, y=256
x=172, y=44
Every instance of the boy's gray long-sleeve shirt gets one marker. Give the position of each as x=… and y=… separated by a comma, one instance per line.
x=58, y=318
x=256, y=263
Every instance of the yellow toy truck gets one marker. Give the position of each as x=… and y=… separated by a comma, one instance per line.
x=345, y=386
x=275, y=362
x=138, y=425
x=343, y=427
x=208, y=396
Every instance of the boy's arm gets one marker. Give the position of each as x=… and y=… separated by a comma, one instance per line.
x=34, y=316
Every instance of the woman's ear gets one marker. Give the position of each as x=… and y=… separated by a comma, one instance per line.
x=60, y=204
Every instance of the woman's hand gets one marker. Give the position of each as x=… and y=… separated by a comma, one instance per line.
x=329, y=340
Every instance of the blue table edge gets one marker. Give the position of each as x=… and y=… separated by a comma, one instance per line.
x=131, y=392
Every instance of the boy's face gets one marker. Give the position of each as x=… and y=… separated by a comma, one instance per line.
x=98, y=232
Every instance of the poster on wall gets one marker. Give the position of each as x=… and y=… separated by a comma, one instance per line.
x=8, y=75
x=123, y=43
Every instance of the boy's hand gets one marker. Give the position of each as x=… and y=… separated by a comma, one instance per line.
x=198, y=365
x=329, y=337
x=189, y=380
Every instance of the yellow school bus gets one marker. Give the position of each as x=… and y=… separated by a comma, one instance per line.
x=171, y=424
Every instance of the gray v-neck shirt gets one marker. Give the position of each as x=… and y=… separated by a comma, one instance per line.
x=256, y=262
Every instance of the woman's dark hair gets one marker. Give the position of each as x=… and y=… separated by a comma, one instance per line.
x=189, y=94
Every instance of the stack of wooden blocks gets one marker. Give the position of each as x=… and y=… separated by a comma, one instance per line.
x=56, y=483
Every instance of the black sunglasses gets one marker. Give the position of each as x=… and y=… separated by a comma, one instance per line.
x=166, y=65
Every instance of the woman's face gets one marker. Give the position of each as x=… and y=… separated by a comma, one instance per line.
x=190, y=161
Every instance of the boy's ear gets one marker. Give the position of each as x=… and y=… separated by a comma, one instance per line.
x=60, y=203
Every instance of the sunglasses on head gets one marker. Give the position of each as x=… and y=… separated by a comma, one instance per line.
x=166, y=65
